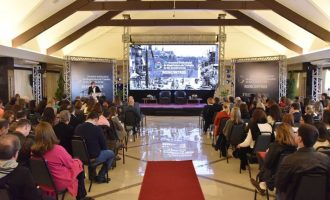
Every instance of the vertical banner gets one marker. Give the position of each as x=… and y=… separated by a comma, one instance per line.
x=257, y=78
x=84, y=72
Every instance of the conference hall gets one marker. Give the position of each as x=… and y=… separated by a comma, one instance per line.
x=164, y=99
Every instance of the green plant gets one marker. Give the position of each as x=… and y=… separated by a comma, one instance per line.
x=60, y=87
x=291, y=86
x=224, y=93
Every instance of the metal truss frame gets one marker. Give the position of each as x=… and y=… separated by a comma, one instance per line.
x=316, y=83
x=206, y=38
x=126, y=38
x=282, y=69
x=37, y=83
x=67, y=70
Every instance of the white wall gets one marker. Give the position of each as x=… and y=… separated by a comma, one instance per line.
x=22, y=83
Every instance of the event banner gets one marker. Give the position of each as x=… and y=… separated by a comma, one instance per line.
x=257, y=78
x=173, y=67
x=83, y=73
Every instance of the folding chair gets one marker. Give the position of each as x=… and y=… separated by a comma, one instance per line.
x=236, y=136
x=312, y=186
x=261, y=145
x=42, y=176
x=79, y=150
x=131, y=122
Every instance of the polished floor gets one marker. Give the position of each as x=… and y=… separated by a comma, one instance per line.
x=176, y=138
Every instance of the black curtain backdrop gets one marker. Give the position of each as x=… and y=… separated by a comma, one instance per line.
x=257, y=78
x=83, y=73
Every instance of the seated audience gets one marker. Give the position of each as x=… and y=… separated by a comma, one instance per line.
x=324, y=135
x=295, y=111
x=4, y=127
x=221, y=115
x=19, y=115
x=244, y=111
x=235, y=119
x=305, y=160
x=119, y=128
x=318, y=109
x=67, y=172
x=217, y=107
x=310, y=110
x=258, y=117
x=16, y=177
x=96, y=144
x=284, y=144
x=9, y=115
x=288, y=119
x=77, y=115
x=208, y=114
x=102, y=120
x=49, y=116
x=326, y=118
x=133, y=109
x=307, y=119
x=22, y=131
x=274, y=115
x=64, y=131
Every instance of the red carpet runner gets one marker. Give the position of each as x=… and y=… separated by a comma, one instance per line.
x=170, y=180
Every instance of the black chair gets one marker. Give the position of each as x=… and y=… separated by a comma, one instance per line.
x=236, y=136
x=79, y=150
x=223, y=141
x=324, y=149
x=131, y=123
x=112, y=140
x=261, y=145
x=165, y=97
x=42, y=176
x=4, y=192
x=180, y=97
x=311, y=186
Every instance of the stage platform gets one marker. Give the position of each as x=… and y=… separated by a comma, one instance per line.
x=172, y=109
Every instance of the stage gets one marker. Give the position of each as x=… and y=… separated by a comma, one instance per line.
x=171, y=109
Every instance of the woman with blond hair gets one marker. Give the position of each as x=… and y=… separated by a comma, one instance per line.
x=284, y=144
x=67, y=172
x=235, y=119
x=221, y=115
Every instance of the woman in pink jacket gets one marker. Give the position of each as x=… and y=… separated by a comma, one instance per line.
x=67, y=172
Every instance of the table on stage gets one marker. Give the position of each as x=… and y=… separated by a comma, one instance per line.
x=149, y=100
x=195, y=100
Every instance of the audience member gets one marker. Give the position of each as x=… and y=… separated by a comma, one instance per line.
x=96, y=144
x=119, y=128
x=305, y=160
x=16, y=177
x=274, y=115
x=208, y=114
x=307, y=119
x=258, y=117
x=22, y=131
x=4, y=127
x=9, y=115
x=284, y=144
x=221, y=115
x=102, y=120
x=49, y=116
x=324, y=135
x=244, y=111
x=132, y=108
x=64, y=131
x=77, y=115
x=288, y=119
x=217, y=107
x=67, y=172
x=295, y=111
x=326, y=118
x=19, y=115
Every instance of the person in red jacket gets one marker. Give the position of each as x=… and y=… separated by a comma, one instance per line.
x=225, y=113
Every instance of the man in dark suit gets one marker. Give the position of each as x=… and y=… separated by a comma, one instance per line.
x=96, y=144
x=93, y=88
x=305, y=160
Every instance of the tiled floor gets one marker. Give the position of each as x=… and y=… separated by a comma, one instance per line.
x=176, y=138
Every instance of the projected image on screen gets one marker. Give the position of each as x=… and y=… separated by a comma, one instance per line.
x=173, y=67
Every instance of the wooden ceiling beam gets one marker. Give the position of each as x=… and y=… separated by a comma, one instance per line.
x=267, y=31
x=297, y=19
x=176, y=22
x=179, y=5
x=49, y=22
x=80, y=32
